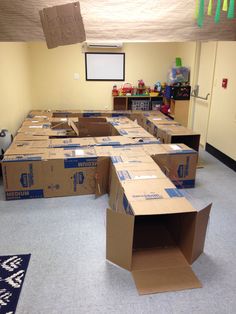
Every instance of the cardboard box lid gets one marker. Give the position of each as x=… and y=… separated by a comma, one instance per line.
x=178, y=149
x=61, y=153
x=126, y=159
x=157, y=197
x=113, y=140
x=135, y=173
x=72, y=142
x=133, y=132
x=161, y=270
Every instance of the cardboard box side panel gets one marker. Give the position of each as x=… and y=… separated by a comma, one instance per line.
x=119, y=238
x=200, y=231
x=102, y=176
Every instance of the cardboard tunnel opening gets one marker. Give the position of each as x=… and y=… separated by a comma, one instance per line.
x=165, y=231
x=192, y=141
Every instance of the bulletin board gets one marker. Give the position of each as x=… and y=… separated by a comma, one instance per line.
x=104, y=66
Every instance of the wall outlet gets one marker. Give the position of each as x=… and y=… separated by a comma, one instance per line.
x=76, y=76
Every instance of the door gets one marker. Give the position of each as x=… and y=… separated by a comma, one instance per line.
x=201, y=108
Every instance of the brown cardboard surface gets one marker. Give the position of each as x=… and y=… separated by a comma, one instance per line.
x=63, y=25
x=72, y=142
x=113, y=140
x=165, y=279
x=29, y=137
x=102, y=176
x=119, y=239
x=200, y=231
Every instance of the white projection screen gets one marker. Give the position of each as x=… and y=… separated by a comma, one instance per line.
x=104, y=66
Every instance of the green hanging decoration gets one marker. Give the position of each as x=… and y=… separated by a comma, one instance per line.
x=218, y=7
x=225, y=6
x=209, y=9
x=231, y=9
x=196, y=9
x=201, y=13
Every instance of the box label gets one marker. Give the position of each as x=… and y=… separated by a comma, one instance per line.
x=172, y=192
x=78, y=179
x=80, y=162
x=27, y=194
x=183, y=170
x=27, y=179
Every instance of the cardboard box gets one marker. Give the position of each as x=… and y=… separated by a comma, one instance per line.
x=178, y=134
x=63, y=25
x=54, y=172
x=158, y=237
x=177, y=161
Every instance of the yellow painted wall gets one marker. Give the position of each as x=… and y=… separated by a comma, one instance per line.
x=14, y=85
x=222, y=120
x=54, y=87
x=187, y=51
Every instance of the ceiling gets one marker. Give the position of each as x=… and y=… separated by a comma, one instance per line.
x=123, y=20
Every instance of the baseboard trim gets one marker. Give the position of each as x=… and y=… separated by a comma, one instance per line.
x=228, y=161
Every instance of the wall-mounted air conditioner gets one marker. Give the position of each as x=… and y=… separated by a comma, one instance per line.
x=102, y=45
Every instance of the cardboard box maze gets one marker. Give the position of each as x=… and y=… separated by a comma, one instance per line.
x=152, y=229
x=55, y=153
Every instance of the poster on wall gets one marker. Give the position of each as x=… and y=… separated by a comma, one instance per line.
x=103, y=66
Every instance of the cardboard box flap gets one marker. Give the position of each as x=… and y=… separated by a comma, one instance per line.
x=102, y=176
x=200, y=231
x=120, y=228
x=165, y=279
x=162, y=269
x=73, y=126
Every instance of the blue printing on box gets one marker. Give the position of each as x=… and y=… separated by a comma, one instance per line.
x=116, y=159
x=91, y=114
x=109, y=144
x=27, y=194
x=183, y=170
x=123, y=132
x=127, y=206
x=173, y=192
x=78, y=179
x=185, y=151
x=184, y=184
x=123, y=175
x=32, y=158
x=118, y=115
x=90, y=162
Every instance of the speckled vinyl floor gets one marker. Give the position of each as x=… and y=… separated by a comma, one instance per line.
x=68, y=273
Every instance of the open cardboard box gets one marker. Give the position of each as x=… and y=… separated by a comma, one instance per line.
x=153, y=231
x=157, y=249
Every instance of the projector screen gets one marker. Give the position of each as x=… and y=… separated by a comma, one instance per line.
x=101, y=66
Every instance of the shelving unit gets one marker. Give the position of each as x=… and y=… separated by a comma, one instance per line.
x=124, y=102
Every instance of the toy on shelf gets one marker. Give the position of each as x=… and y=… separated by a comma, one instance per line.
x=115, y=91
x=141, y=87
x=127, y=89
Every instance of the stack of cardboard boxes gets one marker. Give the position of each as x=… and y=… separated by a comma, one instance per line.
x=152, y=229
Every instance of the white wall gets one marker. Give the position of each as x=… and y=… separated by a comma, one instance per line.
x=222, y=121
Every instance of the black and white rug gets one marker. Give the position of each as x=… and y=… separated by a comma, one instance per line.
x=12, y=274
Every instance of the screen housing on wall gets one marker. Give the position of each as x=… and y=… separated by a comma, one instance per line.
x=104, y=66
